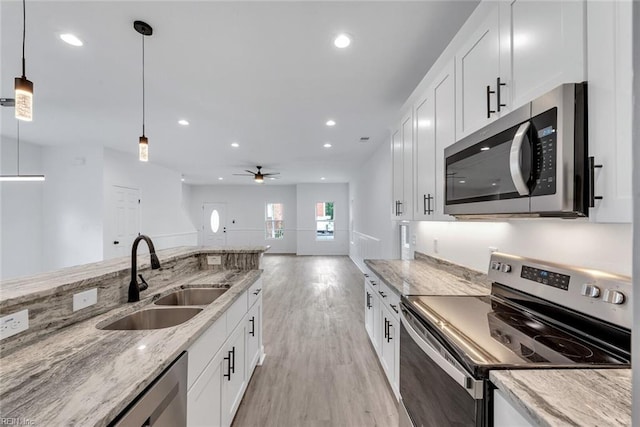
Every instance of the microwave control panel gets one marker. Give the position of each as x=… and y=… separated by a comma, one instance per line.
x=544, y=153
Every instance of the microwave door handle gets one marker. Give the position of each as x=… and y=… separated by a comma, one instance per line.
x=514, y=159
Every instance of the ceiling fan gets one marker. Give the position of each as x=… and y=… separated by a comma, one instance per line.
x=259, y=175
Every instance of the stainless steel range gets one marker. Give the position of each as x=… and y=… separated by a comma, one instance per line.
x=539, y=315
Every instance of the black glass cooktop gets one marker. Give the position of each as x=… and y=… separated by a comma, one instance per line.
x=489, y=332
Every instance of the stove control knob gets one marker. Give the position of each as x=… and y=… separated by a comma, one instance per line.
x=495, y=265
x=613, y=296
x=506, y=268
x=591, y=291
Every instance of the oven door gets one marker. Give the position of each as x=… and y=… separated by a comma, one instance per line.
x=435, y=389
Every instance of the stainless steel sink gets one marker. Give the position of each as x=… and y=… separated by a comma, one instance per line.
x=192, y=296
x=153, y=318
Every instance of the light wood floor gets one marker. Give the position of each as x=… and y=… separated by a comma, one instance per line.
x=320, y=369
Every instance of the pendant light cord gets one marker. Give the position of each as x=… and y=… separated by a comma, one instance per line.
x=24, y=34
x=143, y=115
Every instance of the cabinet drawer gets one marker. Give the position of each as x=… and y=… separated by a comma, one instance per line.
x=236, y=312
x=254, y=292
x=390, y=299
x=205, y=347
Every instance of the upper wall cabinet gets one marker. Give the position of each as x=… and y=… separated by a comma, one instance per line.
x=435, y=130
x=522, y=49
x=478, y=70
x=402, y=155
x=609, y=69
x=542, y=45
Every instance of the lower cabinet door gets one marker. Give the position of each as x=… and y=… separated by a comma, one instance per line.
x=388, y=353
x=254, y=336
x=368, y=312
x=205, y=396
x=234, y=373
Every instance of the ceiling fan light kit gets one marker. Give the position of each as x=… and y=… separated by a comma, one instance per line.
x=258, y=176
x=23, y=86
x=143, y=143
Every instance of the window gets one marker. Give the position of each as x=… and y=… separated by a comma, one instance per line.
x=324, y=221
x=274, y=224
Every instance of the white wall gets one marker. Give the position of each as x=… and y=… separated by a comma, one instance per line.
x=162, y=213
x=636, y=216
x=576, y=242
x=20, y=212
x=373, y=235
x=307, y=197
x=246, y=205
x=71, y=206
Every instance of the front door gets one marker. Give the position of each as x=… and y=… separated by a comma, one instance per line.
x=214, y=224
x=125, y=219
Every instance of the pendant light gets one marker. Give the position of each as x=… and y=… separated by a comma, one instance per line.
x=23, y=86
x=143, y=145
x=17, y=176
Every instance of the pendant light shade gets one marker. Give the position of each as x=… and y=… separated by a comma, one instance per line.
x=23, y=86
x=143, y=149
x=143, y=144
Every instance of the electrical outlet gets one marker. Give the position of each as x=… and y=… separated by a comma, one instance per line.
x=414, y=239
x=85, y=299
x=14, y=324
x=435, y=246
x=214, y=259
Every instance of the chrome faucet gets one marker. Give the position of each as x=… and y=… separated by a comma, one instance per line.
x=134, y=286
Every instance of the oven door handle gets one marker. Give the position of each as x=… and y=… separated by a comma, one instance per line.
x=470, y=384
x=514, y=159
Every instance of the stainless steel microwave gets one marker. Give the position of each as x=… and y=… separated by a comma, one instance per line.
x=530, y=162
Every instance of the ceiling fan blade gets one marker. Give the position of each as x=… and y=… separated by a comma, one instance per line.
x=271, y=173
x=251, y=172
x=244, y=174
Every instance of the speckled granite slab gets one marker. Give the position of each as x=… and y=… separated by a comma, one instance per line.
x=83, y=376
x=429, y=276
x=569, y=397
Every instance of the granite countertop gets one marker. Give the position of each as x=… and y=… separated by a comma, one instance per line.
x=50, y=283
x=81, y=375
x=576, y=397
x=429, y=276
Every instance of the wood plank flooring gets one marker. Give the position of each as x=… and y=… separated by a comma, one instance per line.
x=320, y=369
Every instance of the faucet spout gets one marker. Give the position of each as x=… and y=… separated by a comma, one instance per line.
x=134, y=287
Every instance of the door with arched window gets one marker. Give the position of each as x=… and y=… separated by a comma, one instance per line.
x=214, y=224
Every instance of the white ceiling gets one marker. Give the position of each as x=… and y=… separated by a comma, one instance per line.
x=264, y=74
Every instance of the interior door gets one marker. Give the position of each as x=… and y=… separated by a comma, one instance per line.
x=125, y=219
x=214, y=224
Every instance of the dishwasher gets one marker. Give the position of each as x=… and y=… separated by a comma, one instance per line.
x=163, y=403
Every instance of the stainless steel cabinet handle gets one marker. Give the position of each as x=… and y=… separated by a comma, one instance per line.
x=382, y=294
x=257, y=292
x=252, y=332
x=394, y=307
x=514, y=159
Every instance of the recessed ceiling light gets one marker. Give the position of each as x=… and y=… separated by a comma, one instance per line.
x=182, y=179
x=484, y=149
x=331, y=123
x=71, y=39
x=462, y=181
x=342, y=40
x=271, y=178
x=327, y=145
x=235, y=145
x=183, y=122
x=322, y=178
x=220, y=178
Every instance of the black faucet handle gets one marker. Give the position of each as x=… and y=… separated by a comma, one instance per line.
x=143, y=285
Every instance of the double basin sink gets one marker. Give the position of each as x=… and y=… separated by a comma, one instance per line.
x=177, y=307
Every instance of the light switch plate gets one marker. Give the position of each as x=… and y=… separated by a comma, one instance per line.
x=85, y=299
x=214, y=260
x=14, y=324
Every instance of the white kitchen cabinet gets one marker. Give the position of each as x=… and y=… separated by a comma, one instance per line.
x=254, y=335
x=478, y=68
x=369, y=318
x=505, y=414
x=609, y=69
x=541, y=46
x=234, y=373
x=205, y=396
x=435, y=130
x=402, y=165
x=389, y=350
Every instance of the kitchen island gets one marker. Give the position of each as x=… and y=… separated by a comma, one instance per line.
x=81, y=375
